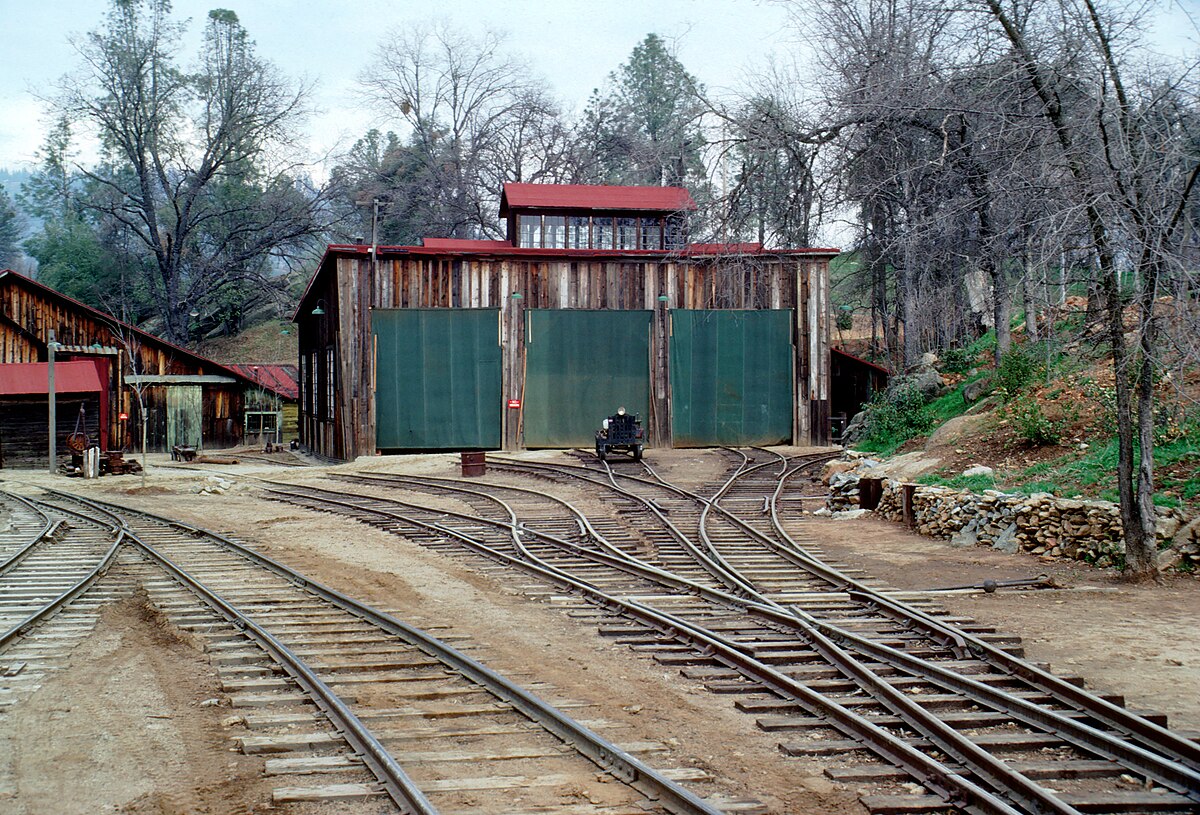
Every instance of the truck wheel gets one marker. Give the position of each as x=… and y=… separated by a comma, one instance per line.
x=637, y=453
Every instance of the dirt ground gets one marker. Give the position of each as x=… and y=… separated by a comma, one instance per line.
x=124, y=730
x=1139, y=641
x=1135, y=641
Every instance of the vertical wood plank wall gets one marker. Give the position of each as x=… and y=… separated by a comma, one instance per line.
x=28, y=313
x=353, y=286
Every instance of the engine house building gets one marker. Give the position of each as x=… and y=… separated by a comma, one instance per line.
x=597, y=300
x=102, y=364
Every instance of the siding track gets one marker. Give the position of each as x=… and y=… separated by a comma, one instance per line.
x=49, y=601
x=348, y=689
x=717, y=585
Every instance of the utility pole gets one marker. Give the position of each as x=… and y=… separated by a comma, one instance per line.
x=50, y=346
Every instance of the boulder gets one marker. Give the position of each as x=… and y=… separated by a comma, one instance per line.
x=979, y=469
x=953, y=431
x=835, y=467
x=927, y=381
x=1169, y=560
x=849, y=514
x=974, y=391
x=1007, y=541
x=855, y=428
x=967, y=536
x=1187, y=539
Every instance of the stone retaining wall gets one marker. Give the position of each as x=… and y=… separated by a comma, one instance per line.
x=1040, y=524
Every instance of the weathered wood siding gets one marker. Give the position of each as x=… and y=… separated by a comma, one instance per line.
x=23, y=425
x=349, y=284
x=28, y=313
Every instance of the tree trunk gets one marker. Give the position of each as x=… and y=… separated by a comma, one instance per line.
x=1141, y=548
x=1001, y=308
x=908, y=305
x=1031, y=323
x=1133, y=520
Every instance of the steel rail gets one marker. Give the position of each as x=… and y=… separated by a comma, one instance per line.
x=67, y=596
x=1149, y=764
x=49, y=530
x=1168, y=770
x=1118, y=718
x=951, y=786
x=600, y=751
x=824, y=637
x=995, y=772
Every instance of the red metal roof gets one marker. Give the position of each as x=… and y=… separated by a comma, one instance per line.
x=24, y=378
x=584, y=196
x=281, y=379
x=460, y=243
x=145, y=336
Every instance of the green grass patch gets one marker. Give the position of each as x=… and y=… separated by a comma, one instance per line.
x=972, y=483
x=1094, y=473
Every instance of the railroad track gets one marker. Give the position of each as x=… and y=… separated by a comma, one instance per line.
x=345, y=694
x=721, y=589
x=49, y=597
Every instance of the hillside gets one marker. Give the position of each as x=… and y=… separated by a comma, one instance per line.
x=1044, y=421
x=264, y=342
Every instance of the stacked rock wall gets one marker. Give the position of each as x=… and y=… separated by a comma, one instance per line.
x=1040, y=524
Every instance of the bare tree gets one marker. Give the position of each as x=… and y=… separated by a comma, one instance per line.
x=476, y=117
x=196, y=165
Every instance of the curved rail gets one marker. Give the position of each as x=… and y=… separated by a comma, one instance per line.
x=1173, y=770
x=70, y=593
x=611, y=758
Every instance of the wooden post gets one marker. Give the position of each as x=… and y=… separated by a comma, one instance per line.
x=800, y=392
x=512, y=328
x=908, y=494
x=660, y=373
x=870, y=490
x=51, y=402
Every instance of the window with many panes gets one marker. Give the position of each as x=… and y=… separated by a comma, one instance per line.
x=578, y=232
x=627, y=233
x=651, y=237
x=530, y=231
x=674, y=234
x=602, y=233
x=555, y=231
x=330, y=382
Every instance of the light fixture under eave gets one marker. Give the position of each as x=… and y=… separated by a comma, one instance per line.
x=320, y=309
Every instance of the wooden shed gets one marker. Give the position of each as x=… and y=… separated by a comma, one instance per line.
x=596, y=302
x=272, y=409
x=189, y=400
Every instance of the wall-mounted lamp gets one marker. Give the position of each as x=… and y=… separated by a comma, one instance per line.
x=518, y=296
x=320, y=309
x=662, y=298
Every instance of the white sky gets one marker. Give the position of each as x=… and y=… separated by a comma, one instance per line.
x=573, y=43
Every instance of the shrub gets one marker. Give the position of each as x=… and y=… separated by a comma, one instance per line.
x=896, y=415
x=1017, y=369
x=958, y=360
x=845, y=319
x=1030, y=422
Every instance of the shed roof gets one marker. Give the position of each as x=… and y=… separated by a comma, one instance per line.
x=860, y=361
x=589, y=196
x=281, y=379
x=117, y=326
x=25, y=378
